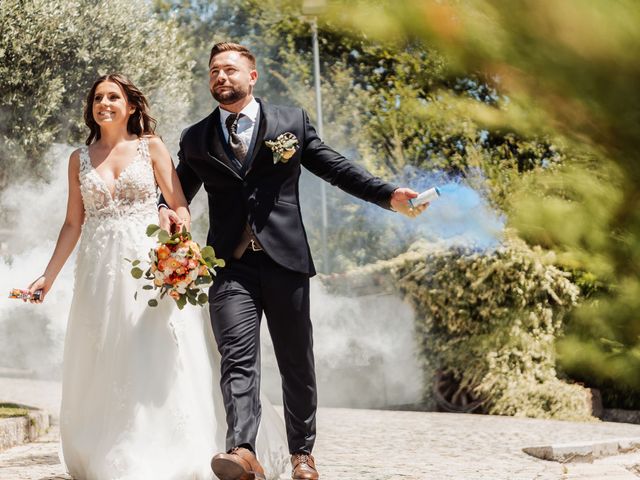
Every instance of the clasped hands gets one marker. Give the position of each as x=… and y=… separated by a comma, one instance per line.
x=170, y=221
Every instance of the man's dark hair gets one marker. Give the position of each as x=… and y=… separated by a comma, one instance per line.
x=233, y=47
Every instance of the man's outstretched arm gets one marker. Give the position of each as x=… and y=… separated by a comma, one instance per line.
x=331, y=166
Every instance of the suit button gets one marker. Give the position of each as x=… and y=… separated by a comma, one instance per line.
x=244, y=184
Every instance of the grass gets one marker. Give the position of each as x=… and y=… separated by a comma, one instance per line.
x=9, y=410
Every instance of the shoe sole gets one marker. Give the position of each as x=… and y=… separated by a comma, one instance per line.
x=230, y=470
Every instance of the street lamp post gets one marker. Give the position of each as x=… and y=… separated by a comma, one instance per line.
x=313, y=8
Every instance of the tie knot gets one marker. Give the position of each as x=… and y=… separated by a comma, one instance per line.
x=232, y=122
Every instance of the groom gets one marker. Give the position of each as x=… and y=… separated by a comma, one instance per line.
x=248, y=154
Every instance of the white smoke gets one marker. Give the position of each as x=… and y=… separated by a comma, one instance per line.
x=365, y=351
x=31, y=336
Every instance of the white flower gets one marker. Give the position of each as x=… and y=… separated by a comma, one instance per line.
x=283, y=147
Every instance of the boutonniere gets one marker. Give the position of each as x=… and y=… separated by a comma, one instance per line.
x=283, y=147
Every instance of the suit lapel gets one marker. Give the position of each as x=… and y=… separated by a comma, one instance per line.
x=267, y=130
x=216, y=146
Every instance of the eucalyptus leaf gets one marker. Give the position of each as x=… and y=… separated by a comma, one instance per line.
x=203, y=298
x=147, y=287
x=163, y=237
x=153, y=302
x=136, y=272
x=135, y=263
x=152, y=230
x=181, y=302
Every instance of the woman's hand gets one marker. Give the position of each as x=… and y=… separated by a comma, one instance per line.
x=41, y=284
x=171, y=222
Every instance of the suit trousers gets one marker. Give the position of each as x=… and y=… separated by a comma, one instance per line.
x=242, y=291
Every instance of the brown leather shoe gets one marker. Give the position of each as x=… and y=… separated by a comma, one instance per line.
x=239, y=464
x=304, y=467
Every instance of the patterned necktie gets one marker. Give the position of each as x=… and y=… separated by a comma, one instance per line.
x=238, y=147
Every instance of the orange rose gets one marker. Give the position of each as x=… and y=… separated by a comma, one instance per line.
x=163, y=252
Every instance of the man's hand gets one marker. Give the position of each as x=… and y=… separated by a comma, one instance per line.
x=400, y=202
x=168, y=218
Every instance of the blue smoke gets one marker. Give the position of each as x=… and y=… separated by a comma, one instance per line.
x=461, y=216
x=361, y=232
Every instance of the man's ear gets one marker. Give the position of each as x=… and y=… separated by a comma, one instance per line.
x=254, y=76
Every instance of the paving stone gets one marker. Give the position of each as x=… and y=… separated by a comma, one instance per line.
x=583, y=452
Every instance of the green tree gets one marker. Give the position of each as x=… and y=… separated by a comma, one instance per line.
x=52, y=51
x=569, y=69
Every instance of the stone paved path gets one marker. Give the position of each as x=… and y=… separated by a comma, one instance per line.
x=386, y=445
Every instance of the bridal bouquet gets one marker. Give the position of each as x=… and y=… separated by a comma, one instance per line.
x=178, y=267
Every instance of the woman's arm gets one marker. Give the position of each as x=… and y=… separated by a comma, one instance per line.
x=69, y=233
x=168, y=181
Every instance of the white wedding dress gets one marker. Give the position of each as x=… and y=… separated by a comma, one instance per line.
x=141, y=397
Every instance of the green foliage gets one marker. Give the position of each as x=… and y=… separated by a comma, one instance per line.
x=10, y=410
x=52, y=51
x=569, y=69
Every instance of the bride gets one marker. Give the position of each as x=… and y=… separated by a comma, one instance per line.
x=140, y=393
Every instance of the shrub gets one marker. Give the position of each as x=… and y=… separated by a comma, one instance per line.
x=489, y=319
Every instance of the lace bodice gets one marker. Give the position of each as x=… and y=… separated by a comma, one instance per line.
x=135, y=191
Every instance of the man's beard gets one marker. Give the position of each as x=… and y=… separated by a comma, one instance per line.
x=229, y=96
